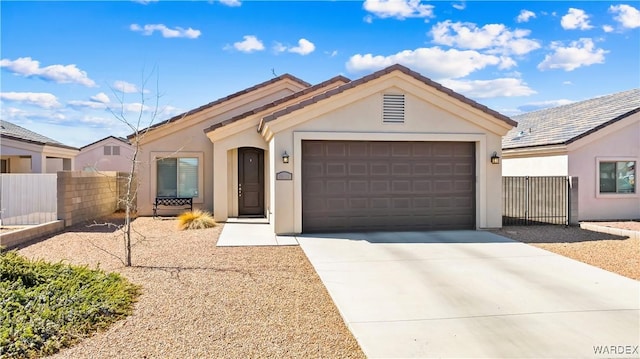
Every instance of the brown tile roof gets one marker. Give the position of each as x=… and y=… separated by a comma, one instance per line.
x=223, y=99
x=123, y=140
x=379, y=74
x=565, y=124
x=277, y=102
x=15, y=132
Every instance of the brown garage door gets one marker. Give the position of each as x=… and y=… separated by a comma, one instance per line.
x=367, y=186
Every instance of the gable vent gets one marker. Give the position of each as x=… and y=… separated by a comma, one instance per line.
x=393, y=108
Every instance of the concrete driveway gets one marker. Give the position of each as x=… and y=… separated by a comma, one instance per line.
x=471, y=294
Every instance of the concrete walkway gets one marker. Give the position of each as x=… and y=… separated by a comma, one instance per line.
x=470, y=294
x=239, y=232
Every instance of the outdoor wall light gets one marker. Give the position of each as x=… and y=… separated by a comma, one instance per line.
x=285, y=157
x=495, y=159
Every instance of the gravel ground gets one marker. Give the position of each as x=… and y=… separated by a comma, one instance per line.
x=202, y=301
x=613, y=253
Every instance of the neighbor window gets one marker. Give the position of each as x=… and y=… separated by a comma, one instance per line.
x=617, y=176
x=177, y=177
x=112, y=150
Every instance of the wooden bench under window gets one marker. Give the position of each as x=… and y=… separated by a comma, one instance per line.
x=172, y=202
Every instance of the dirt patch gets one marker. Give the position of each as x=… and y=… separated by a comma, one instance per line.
x=200, y=300
x=610, y=252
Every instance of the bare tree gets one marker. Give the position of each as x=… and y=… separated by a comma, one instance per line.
x=145, y=114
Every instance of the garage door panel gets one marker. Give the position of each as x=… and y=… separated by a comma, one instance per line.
x=363, y=186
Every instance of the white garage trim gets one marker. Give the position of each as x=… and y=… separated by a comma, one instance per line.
x=481, y=161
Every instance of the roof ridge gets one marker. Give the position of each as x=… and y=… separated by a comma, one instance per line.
x=380, y=73
x=225, y=98
x=276, y=102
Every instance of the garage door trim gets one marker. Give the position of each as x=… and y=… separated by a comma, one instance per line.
x=480, y=150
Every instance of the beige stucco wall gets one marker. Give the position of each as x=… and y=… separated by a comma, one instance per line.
x=620, y=141
x=92, y=157
x=555, y=165
x=186, y=138
x=362, y=120
x=42, y=158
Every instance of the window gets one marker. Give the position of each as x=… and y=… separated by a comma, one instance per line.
x=393, y=108
x=112, y=150
x=177, y=177
x=617, y=176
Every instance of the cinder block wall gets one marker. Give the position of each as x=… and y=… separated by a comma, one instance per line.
x=84, y=196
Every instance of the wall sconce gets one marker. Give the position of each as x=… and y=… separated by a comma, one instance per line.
x=495, y=159
x=285, y=157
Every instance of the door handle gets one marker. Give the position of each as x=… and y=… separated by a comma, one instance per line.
x=240, y=190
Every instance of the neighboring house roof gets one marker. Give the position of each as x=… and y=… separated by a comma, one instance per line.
x=277, y=102
x=379, y=74
x=121, y=139
x=568, y=123
x=15, y=132
x=223, y=99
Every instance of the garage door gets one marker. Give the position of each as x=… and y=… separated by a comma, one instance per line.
x=376, y=185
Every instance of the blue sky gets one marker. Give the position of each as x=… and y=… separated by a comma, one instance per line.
x=64, y=64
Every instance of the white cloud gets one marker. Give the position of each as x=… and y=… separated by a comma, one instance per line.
x=165, y=31
x=575, y=19
x=579, y=53
x=87, y=104
x=501, y=87
x=249, y=44
x=40, y=99
x=433, y=62
x=525, y=15
x=232, y=3
x=278, y=47
x=607, y=28
x=399, y=9
x=368, y=19
x=28, y=67
x=333, y=53
x=535, y=106
x=627, y=16
x=305, y=47
x=494, y=38
x=460, y=6
x=145, y=2
x=125, y=87
x=101, y=97
x=567, y=82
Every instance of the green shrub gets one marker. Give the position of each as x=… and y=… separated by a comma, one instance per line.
x=45, y=307
x=196, y=219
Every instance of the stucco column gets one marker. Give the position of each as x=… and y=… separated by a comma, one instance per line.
x=38, y=163
x=220, y=186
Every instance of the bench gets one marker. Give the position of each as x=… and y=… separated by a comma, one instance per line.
x=183, y=202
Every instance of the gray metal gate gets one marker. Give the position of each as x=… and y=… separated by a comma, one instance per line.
x=536, y=200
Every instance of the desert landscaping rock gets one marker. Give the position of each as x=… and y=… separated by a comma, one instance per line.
x=202, y=301
x=610, y=252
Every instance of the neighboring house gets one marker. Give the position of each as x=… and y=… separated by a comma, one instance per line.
x=108, y=154
x=392, y=150
x=597, y=141
x=24, y=151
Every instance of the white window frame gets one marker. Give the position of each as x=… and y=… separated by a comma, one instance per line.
x=615, y=194
x=154, y=156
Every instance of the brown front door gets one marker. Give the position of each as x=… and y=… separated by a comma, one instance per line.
x=250, y=181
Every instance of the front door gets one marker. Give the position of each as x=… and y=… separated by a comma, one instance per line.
x=250, y=181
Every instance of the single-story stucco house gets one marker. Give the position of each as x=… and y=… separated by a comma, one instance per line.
x=391, y=150
x=597, y=141
x=24, y=151
x=108, y=154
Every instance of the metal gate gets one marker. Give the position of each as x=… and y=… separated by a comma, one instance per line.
x=536, y=200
